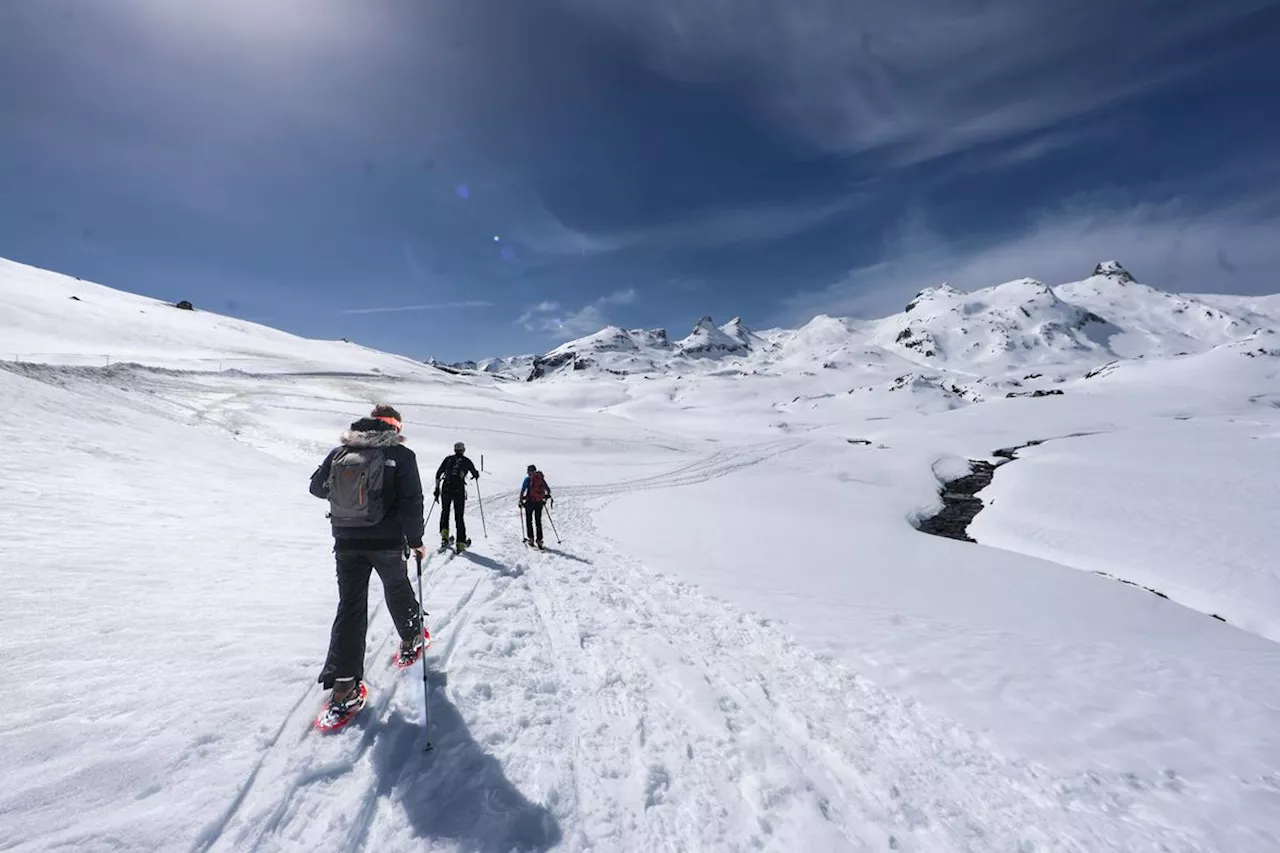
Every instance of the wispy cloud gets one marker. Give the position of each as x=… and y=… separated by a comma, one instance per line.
x=923, y=77
x=708, y=229
x=411, y=260
x=620, y=297
x=438, y=306
x=546, y=317
x=1175, y=246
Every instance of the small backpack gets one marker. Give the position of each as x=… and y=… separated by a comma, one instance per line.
x=454, y=473
x=537, y=487
x=355, y=487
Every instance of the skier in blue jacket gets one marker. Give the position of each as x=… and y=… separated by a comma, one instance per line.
x=534, y=493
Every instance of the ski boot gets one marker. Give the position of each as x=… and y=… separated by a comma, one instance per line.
x=411, y=649
x=445, y=540
x=463, y=544
x=338, y=712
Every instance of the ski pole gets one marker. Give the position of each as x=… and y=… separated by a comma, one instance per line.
x=524, y=534
x=426, y=688
x=480, y=500
x=433, y=509
x=553, y=526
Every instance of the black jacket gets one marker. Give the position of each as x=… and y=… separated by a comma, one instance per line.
x=465, y=467
x=401, y=491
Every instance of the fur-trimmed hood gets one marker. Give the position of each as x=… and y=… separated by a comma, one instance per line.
x=370, y=432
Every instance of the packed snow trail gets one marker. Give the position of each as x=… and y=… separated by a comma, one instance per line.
x=639, y=715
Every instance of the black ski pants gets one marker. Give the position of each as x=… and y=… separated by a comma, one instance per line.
x=532, y=518
x=347, y=639
x=458, y=501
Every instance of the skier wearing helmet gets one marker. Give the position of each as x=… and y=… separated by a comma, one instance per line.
x=451, y=491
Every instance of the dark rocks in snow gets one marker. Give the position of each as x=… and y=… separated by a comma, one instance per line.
x=1039, y=392
x=185, y=305
x=1113, y=270
x=75, y=298
x=1102, y=370
x=960, y=503
x=1089, y=317
x=920, y=341
x=556, y=361
x=1154, y=592
x=1011, y=453
x=452, y=370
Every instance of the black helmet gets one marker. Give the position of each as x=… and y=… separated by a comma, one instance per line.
x=459, y=447
x=532, y=467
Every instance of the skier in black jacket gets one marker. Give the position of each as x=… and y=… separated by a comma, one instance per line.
x=374, y=491
x=451, y=491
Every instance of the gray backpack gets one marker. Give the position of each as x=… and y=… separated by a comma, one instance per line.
x=355, y=487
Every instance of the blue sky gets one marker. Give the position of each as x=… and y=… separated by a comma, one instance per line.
x=465, y=179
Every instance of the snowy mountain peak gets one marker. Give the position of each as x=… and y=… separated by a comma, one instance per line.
x=941, y=291
x=1023, y=316
x=739, y=331
x=1113, y=269
x=707, y=339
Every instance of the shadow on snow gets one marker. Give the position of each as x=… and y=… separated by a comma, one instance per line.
x=569, y=556
x=457, y=792
x=494, y=565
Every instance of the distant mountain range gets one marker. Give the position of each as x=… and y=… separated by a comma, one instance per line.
x=995, y=335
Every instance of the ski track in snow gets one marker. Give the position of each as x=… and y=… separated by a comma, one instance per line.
x=283, y=766
x=636, y=712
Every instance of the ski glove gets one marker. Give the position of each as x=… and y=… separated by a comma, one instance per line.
x=436, y=494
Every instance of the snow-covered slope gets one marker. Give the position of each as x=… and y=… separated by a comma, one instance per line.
x=738, y=640
x=1149, y=322
x=51, y=318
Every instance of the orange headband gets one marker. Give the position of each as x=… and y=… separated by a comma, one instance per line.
x=395, y=423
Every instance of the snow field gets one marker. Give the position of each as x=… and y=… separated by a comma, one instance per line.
x=742, y=643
